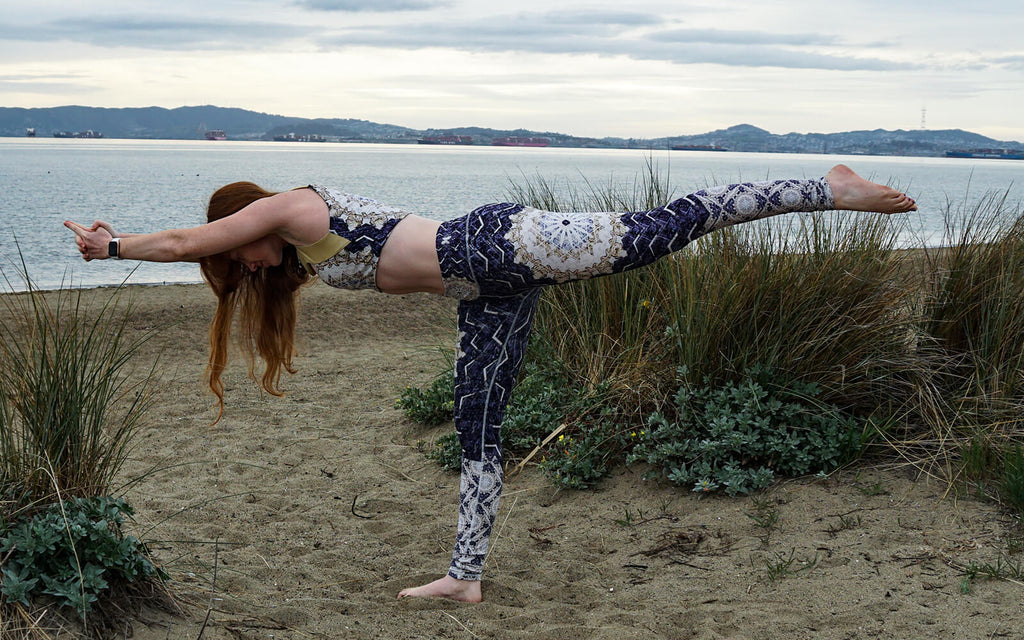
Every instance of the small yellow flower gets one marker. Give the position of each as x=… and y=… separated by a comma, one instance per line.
x=645, y=304
x=633, y=434
x=560, y=438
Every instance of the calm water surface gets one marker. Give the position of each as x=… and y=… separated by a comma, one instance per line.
x=147, y=185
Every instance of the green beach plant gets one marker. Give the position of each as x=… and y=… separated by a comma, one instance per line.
x=740, y=437
x=71, y=401
x=72, y=551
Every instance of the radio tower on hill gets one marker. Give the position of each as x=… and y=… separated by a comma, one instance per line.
x=924, y=111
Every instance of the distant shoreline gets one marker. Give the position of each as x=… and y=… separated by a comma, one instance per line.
x=194, y=123
x=957, y=153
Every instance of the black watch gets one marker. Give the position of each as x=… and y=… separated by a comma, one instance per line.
x=112, y=248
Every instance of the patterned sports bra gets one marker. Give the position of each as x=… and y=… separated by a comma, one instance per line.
x=347, y=256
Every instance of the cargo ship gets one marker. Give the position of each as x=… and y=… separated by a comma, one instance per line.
x=513, y=141
x=999, y=154
x=445, y=140
x=216, y=134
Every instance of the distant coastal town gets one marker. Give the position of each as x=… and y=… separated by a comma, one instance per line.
x=185, y=123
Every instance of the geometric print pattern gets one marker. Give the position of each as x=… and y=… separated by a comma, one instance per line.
x=493, y=334
x=732, y=204
x=504, y=249
x=366, y=224
x=566, y=246
x=479, y=493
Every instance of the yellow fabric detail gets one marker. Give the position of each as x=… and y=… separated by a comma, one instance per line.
x=321, y=250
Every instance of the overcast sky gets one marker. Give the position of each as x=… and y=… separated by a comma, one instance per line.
x=636, y=68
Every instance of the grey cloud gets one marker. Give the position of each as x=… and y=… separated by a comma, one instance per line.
x=604, y=18
x=770, y=56
x=611, y=33
x=375, y=6
x=172, y=34
x=1014, y=62
x=715, y=36
x=537, y=34
x=57, y=84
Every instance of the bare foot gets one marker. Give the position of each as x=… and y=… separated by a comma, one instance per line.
x=854, y=193
x=446, y=587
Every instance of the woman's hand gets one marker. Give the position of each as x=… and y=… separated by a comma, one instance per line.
x=100, y=224
x=93, y=241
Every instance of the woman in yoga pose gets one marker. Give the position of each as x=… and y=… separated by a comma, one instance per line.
x=259, y=247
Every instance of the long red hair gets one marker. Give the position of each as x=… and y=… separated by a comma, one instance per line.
x=266, y=300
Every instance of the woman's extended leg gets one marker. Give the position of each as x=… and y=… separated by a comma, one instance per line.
x=504, y=249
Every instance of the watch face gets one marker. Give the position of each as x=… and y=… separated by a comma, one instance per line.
x=112, y=249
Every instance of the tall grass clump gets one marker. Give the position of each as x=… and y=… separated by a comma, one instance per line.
x=817, y=299
x=71, y=401
x=976, y=304
x=70, y=408
x=974, y=310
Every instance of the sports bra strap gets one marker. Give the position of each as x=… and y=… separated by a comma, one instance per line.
x=321, y=250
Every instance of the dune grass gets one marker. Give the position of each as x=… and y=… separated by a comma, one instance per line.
x=974, y=312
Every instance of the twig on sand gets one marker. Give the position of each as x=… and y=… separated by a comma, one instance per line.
x=551, y=436
x=457, y=621
x=354, y=498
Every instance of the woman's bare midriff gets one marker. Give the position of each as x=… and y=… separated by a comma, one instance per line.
x=408, y=262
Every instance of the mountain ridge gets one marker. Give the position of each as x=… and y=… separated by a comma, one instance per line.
x=192, y=122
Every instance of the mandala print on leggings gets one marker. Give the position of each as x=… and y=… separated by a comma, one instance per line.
x=566, y=246
x=734, y=203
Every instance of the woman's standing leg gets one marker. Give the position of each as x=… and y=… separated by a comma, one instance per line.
x=493, y=334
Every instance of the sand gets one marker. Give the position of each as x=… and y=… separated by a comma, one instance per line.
x=303, y=516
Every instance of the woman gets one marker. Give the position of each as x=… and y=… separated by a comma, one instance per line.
x=259, y=247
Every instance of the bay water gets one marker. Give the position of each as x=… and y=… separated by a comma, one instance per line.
x=144, y=185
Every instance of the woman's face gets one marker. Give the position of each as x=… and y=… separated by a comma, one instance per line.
x=265, y=252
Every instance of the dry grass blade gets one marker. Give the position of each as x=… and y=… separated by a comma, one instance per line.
x=538, y=448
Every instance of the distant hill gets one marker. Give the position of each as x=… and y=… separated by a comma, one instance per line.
x=921, y=142
x=191, y=123
x=183, y=123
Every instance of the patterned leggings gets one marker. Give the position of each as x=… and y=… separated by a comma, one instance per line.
x=495, y=261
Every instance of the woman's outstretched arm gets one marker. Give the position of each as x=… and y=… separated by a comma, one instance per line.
x=298, y=217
